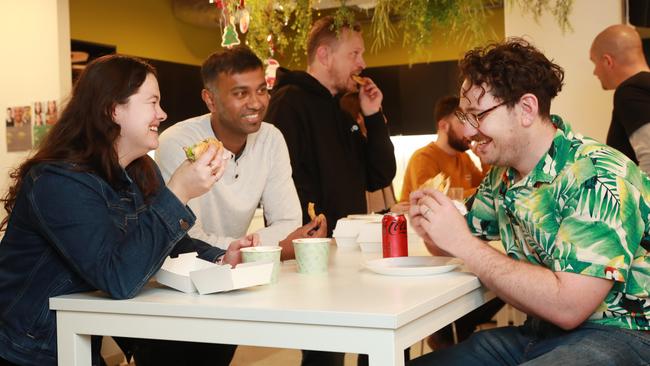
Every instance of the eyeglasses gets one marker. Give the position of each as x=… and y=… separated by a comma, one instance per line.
x=474, y=120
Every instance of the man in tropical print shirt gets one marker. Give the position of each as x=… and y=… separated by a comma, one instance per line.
x=573, y=216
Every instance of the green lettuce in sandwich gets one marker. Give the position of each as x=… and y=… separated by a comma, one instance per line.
x=195, y=151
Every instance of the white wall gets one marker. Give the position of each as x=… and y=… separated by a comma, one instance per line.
x=35, y=62
x=582, y=101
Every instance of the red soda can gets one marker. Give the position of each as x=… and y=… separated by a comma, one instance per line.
x=393, y=235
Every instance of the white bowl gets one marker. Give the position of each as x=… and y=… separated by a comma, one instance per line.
x=370, y=232
x=347, y=228
x=346, y=243
x=370, y=247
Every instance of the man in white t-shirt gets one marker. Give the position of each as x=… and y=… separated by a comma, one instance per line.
x=236, y=95
x=260, y=171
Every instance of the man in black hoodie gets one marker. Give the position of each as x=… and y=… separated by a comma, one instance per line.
x=333, y=164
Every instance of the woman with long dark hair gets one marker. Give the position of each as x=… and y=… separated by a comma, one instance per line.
x=89, y=211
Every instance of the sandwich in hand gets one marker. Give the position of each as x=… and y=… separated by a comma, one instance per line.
x=359, y=80
x=440, y=182
x=195, y=151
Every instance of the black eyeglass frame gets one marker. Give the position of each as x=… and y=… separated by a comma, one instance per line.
x=474, y=120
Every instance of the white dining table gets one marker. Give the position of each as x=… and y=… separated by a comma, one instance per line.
x=350, y=309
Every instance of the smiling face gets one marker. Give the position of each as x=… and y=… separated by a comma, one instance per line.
x=345, y=60
x=239, y=102
x=139, y=119
x=497, y=135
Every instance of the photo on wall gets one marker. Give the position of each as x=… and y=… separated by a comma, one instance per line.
x=19, y=128
x=43, y=120
x=52, y=113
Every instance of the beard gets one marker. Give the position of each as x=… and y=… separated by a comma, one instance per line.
x=342, y=81
x=456, y=142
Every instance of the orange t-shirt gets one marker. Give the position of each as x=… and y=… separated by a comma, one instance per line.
x=430, y=160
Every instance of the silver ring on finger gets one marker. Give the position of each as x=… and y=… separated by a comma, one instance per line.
x=426, y=211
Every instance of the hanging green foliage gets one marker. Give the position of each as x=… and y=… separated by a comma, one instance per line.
x=561, y=9
x=282, y=26
x=460, y=21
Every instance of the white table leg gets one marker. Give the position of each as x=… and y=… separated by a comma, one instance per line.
x=72, y=349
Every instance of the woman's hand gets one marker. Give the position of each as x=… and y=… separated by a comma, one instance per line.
x=191, y=180
x=233, y=253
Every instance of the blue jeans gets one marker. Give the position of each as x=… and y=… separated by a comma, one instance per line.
x=541, y=343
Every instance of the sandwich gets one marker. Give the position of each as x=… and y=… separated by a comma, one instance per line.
x=440, y=182
x=359, y=80
x=195, y=151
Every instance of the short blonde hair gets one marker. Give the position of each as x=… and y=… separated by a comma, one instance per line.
x=324, y=32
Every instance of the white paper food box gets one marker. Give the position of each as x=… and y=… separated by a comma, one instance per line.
x=190, y=274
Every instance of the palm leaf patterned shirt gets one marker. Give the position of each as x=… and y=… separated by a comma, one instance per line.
x=584, y=208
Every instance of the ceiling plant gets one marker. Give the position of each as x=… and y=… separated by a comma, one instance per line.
x=282, y=26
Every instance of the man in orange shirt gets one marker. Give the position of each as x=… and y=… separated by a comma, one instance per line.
x=446, y=154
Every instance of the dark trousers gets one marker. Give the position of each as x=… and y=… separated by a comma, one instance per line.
x=4, y=362
x=154, y=352
x=362, y=360
x=539, y=343
x=321, y=358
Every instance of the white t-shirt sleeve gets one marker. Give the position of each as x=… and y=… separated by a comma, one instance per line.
x=640, y=141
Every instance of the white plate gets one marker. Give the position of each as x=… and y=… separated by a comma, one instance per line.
x=412, y=266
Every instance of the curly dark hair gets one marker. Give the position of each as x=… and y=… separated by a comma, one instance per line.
x=511, y=69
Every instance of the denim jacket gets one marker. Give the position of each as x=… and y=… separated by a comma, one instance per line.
x=71, y=232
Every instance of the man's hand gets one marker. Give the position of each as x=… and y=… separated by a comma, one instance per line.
x=316, y=228
x=370, y=98
x=233, y=254
x=435, y=218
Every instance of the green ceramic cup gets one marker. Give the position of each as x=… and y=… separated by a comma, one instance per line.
x=312, y=255
x=263, y=253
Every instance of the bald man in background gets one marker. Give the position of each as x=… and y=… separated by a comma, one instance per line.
x=619, y=63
